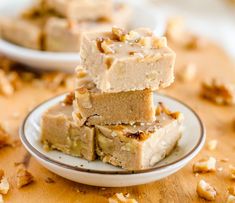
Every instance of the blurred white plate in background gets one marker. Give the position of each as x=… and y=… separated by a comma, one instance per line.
x=61, y=61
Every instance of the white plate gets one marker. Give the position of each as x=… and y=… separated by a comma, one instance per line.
x=61, y=61
x=101, y=174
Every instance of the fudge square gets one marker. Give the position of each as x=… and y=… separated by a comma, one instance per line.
x=91, y=106
x=136, y=147
x=64, y=35
x=81, y=9
x=60, y=132
x=21, y=32
x=120, y=61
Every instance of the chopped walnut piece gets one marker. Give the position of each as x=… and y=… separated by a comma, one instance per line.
x=175, y=29
x=231, y=190
x=83, y=95
x=15, y=80
x=205, y=165
x=196, y=42
x=54, y=80
x=153, y=42
x=1, y=199
x=162, y=109
x=68, y=100
x=4, y=137
x=1, y=174
x=232, y=169
x=219, y=92
x=230, y=199
x=23, y=177
x=121, y=198
x=206, y=191
x=106, y=46
x=6, y=88
x=212, y=144
x=188, y=72
x=118, y=33
x=4, y=184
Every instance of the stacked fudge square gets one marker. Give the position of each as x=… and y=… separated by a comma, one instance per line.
x=111, y=114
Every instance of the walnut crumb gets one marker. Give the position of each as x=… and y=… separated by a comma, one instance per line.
x=1, y=199
x=206, y=191
x=23, y=177
x=121, y=198
x=4, y=184
x=212, y=144
x=68, y=100
x=162, y=109
x=232, y=170
x=219, y=92
x=4, y=137
x=205, y=165
x=230, y=199
x=188, y=72
x=6, y=88
x=231, y=190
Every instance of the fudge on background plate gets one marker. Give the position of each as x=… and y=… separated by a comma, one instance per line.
x=91, y=106
x=140, y=146
x=124, y=61
x=82, y=9
x=58, y=131
x=21, y=32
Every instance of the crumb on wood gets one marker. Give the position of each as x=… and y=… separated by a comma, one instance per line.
x=23, y=177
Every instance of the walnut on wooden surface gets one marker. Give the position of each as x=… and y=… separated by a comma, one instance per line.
x=232, y=171
x=188, y=72
x=212, y=144
x=23, y=177
x=1, y=199
x=230, y=199
x=205, y=165
x=121, y=198
x=6, y=88
x=4, y=137
x=206, y=191
x=4, y=184
x=219, y=92
x=54, y=80
x=231, y=189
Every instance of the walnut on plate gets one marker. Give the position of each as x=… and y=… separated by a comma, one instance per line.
x=206, y=191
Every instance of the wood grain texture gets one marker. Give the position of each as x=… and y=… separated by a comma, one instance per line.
x=180, y=187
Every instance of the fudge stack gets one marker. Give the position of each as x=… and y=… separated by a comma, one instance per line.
x=113, y=116
x=57, y=25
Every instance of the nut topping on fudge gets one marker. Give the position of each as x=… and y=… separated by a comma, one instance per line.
x=120, y=61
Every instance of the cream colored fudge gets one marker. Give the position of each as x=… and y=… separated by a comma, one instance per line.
x=82, y=9
x=65, y=35
x=136, y=147
x=120, y=61
x=21, y=32
x=91, y=106
x=61, y=133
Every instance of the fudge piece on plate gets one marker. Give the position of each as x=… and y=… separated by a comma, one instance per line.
x=91, y=106
x=21, y=32
x=61, y=133
x=82, y=9
x=64, y=35
x=136, y=147
x=120, y=61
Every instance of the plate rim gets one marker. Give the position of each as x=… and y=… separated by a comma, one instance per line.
x=37, y=153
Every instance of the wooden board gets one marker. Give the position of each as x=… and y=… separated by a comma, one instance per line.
x=180, y=187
